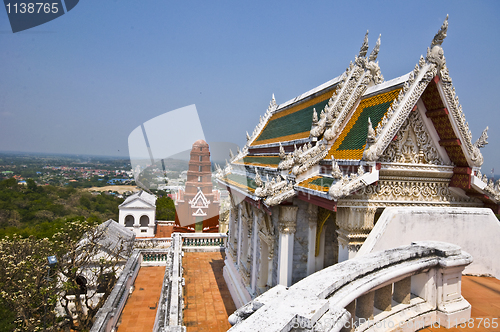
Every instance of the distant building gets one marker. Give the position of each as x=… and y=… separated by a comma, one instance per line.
x=138, y=213
x=197, y=206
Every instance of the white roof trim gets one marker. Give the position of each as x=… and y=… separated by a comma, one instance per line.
x=308, y=93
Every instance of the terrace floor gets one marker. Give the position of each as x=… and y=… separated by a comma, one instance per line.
x=140, y=310
x=207, y=302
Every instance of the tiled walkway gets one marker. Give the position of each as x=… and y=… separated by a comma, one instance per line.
x=207, y=301
x=140, y=310
x=484, y=296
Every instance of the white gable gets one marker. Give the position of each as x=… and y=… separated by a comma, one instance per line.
x=136, y=203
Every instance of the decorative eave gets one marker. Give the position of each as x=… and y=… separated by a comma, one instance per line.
x=427, y=70
x=348, y=184
x=486, y=187
x=413, y=88
x=353, y=85
x=460, y=125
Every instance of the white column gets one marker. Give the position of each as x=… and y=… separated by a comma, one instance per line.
x=287, y=225
x=269, y=259
x=285, y=263
x=311, y=248
x=354, y=226
x=311, y=239
x=239, y=236
x=254, y=253
x=320, y=259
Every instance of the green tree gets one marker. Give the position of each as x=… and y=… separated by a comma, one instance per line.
x=165, y=208
x=26, y=292
x=24, y=289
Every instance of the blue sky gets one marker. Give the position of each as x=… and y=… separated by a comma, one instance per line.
x=81, y=83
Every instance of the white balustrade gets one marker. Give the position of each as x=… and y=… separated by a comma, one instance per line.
x=404, y=289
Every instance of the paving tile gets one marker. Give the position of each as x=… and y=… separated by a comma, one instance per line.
x=207, y=309
x=137, y=315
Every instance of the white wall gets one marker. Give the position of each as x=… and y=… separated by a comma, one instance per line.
x=137, y=214
x=475, y=230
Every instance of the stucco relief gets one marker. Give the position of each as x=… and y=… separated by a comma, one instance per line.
x=413, y=144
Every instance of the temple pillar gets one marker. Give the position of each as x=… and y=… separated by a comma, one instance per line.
x=354, y=225
x=311, y=238
x=239, y=244
x=320, y=257
x=254, y=251
x=287, y=227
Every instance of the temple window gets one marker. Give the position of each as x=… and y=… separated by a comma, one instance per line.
x=144, y=221
x=129, y=221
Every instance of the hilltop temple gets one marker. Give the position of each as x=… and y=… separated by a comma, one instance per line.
x=319, y=170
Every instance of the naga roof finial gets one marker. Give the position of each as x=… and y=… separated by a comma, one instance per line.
x=374, y=53
x=482, y=140
x=441, y=34
x=364, y=47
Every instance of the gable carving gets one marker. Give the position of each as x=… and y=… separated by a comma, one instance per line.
x=413, y=144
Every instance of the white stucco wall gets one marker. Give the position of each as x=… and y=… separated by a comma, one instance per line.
x=137, y=213
x=475, y=230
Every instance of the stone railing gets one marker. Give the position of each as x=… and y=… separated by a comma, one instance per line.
x=203, y=241
x=107, y=317
x=169, y=313
x=406, y=289
x=158, y=252
x=151, y=243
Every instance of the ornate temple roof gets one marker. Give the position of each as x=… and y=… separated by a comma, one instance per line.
x=333, y=140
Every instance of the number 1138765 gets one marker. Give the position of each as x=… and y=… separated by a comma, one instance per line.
x=32, y=8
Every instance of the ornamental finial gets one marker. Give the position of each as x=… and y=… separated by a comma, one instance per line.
x=441, y=34
x=482, y=140
x=374, y=53
x=370, y=137
x=364, y=47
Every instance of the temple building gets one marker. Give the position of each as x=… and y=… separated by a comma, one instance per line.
x=138, y=213
x=197, y=206
x=319, y=170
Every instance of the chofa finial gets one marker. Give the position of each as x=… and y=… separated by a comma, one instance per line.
x=482, y=140
x=441, y=34
x=374, y=53
x=364, y=47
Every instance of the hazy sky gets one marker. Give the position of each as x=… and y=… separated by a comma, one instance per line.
x=81, y=83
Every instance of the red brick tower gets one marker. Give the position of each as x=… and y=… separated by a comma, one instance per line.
x=198, y=205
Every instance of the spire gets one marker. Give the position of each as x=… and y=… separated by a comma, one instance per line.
x=374, y=53
x=315, y=116
x=441, y=34
x=282, y=152
x=272, y=104
x=364, y=47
